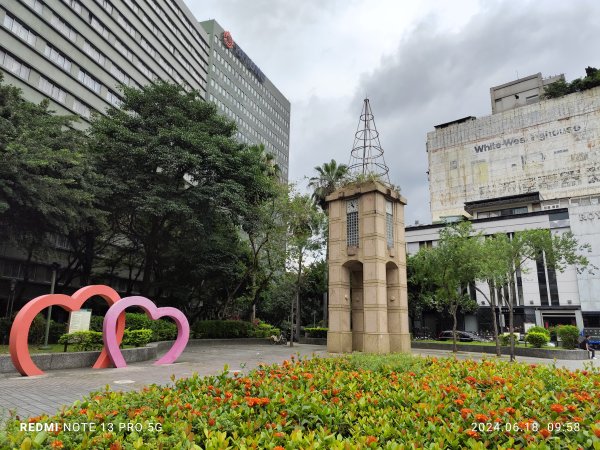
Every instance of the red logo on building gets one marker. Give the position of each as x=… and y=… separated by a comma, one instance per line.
x=227, y=39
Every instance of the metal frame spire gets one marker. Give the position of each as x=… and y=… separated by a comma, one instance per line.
x=366, y=157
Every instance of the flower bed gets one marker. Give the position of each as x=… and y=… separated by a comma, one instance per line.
x=342, y=403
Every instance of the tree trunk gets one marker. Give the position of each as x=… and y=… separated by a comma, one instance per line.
x=511, y=325
x=492, y=303
x=453, y=310
x=298, y=281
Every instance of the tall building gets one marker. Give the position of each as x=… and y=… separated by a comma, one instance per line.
x=532, y=164
x=75, y=53
x=243, y=92
x=549, y=146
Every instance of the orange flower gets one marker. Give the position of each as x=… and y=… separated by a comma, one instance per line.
x=465, y=412
x=510, y=410
x=481, y=418
x=371, y=440
x=279, y=434
x=556, y=407
x=597, y=432
x=473, y=434
x=545, y=433
x=279, y=447
x=459, y=402
x=115, y=446
x=57, y=444
x=211, y=422
x=572, y=408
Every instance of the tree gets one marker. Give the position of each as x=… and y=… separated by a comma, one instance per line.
x=305, y=238
x=177, y=182
x=506, y=255
x=448, y=268
x=47, y=184
x=330, y=176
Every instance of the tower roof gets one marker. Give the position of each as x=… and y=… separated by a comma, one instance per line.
x=366, y=157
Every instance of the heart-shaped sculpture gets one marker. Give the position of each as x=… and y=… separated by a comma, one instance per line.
x=19, y=333
x=110, y=325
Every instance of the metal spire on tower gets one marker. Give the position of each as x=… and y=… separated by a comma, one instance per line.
x=366, y=157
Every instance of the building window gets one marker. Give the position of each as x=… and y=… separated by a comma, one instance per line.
x=89, y=81
x=352, y=222
x=18, y=29
x=14, y=66
x=125, y=24
x=74, y=4
x=119, y=75
x=37, y=5
x=57, y=58
x=113, y=99
x=63, y=28
x=97, y=25
x=81, y=108
x=124, y=50
x=106, y=5
x=389, y=223
x=94, y=53
x=52, y=90
x=541, y=276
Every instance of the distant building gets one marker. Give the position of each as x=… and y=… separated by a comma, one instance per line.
x=75, y=53
x=244, y=93
x=532, y=164
x=546, y=146
x=545, y=296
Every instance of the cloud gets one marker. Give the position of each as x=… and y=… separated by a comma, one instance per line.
x=421, y=64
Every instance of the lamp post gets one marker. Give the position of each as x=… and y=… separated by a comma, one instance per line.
x=11, y=298
x=55, y=266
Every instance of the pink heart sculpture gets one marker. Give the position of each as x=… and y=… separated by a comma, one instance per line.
x=19, y=333
x=110, y=326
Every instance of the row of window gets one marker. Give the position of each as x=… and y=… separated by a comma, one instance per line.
x=242, y=81
x=125, y=51
x=226, y=92
x=250, y=76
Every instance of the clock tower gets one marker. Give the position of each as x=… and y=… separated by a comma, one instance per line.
x=368, y=301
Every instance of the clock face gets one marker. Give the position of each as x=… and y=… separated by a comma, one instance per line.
x=352, y=205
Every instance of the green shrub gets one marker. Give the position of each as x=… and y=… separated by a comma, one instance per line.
x=505, y=338
x=537, y=339
x=137, y=338
x=264, y=330
x=96, y=323
x=162, y=330
x=57, y=329
x=537, y=329
x=221, y=329
x=316, y=332
x=569, y=334
x=83, y=340
x=5, y=325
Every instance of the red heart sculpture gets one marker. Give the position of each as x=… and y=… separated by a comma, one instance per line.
x=19, y=333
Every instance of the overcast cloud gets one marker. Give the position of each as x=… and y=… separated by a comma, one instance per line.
x=421, y=64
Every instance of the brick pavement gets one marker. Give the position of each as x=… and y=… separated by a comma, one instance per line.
x=32, y=396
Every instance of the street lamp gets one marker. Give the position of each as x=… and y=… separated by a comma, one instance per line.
x=55, y=266
x=11, y=298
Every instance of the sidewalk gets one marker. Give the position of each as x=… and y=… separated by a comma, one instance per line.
x=32, y=396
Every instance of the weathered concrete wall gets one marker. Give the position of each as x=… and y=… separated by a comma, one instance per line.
x=552, y=147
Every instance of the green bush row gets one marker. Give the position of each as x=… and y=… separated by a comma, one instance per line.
x=162, y=330
x=92, y=340
x=316, y=332
x=227, y=329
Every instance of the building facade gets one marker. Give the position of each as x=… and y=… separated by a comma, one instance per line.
x=549, y=146
x=76, y=53
x=532, y=164
x=242, y=92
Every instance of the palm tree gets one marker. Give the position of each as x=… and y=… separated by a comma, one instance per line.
x=330, y=176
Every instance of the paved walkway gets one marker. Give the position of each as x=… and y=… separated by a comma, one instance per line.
x=32, y=396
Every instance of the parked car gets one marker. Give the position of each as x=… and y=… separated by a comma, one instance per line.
x=462, y=336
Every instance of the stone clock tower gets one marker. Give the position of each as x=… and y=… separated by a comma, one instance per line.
x=368, y=302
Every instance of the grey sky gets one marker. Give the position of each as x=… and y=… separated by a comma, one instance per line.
x=421, y=64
